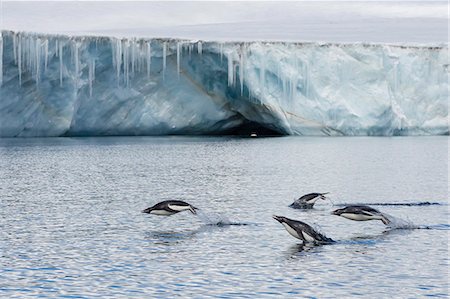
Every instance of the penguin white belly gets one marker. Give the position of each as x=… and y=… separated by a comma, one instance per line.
x=178, y=208
x=312, y=201
x=307, y=237
x=162, y=212
x=360, y=217
x=291, y=231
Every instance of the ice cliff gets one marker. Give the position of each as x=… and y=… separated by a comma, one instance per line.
x=54, y=85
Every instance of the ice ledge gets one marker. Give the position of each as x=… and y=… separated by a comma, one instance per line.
x=59, y=85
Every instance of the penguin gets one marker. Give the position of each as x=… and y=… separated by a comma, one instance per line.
x=302, y=231
x=170, y=207
x=361, y=213
x=307, y=201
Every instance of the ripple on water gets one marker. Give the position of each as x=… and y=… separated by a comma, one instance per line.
x=71, y=227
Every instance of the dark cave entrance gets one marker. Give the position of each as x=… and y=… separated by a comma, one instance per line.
x=253, y=129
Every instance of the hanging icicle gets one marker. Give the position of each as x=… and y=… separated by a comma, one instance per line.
x=149, y=58
x=37, y=61
x=91, y=75
x=126, y=61
x=14, y=38
x=56, y=48
x=199, y=48
x=241, y=67
x=60, y=54
x=133, y=56
x=1, y=59
x=118, y=59
x=230, y=69
x=76, y=62
x=164, y=59
x=178, y=58
x=19, y=59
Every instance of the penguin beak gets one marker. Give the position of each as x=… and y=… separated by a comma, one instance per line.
x=193, y=210
x=147, y=210
x=277, y=218
x=336, y=212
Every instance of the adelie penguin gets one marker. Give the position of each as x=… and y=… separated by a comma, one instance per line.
x=170, y=207
x=302, y=231
x=361, y=213
x=307, y=201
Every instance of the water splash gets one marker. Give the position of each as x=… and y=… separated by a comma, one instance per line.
x=398, y=223
x=218, y=219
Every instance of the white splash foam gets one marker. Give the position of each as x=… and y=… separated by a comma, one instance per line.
x=211, y=218
x=398, y=223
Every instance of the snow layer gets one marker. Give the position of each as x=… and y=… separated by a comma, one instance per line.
x=329, y=21
x=55, y=85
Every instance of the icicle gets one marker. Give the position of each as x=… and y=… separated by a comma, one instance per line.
x=77, y=66
x=191, y=48
x=1, y=59
x=138, y=57
x=164, y=59
x=149, y=58
x=118, y=59
x=56, y=48
x=241, y=68
x=126, y=50
x=19, y=60
x=178, y=58
x=133, y=56
x=91, y=75
x=113, y=53
x=29, y=51
x=14, y=47
x=221, y=52
x=199, y=48
x=230, y=69
x=60, y=54
x=38, y=61
x=46, y=55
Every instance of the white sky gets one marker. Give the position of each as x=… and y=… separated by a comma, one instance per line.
x=368, y=21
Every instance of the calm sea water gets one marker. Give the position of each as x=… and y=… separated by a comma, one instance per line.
x=71, y=224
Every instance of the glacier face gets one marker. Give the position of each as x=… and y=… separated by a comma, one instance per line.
x=54, y=85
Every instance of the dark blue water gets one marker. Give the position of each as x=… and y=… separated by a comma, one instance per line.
x=71, y=224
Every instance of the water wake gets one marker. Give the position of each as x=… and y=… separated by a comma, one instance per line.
x=398, y=223
x=216, y=219
x=408, y=204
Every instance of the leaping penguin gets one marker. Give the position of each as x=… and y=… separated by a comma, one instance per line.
x=170, y=207
x=361, y=213
x=302, y=231
x=307, y=201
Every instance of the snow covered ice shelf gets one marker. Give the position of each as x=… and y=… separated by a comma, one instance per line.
x=60, y=85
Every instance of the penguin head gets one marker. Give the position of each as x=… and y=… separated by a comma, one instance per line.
x=193, y=209
x=337, y=212
x=280, y=219
x=147, y=210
